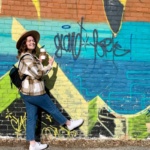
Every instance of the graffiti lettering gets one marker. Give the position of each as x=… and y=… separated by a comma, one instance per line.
x=107, y=45
x=18, y=124
x=73, y=42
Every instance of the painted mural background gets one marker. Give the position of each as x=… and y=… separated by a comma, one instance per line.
x=101, y=70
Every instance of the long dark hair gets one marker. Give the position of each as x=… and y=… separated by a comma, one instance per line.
x=23, y=48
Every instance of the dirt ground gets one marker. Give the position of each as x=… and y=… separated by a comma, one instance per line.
x=78, y=144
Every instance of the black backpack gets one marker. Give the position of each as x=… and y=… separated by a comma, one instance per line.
x=14, y=75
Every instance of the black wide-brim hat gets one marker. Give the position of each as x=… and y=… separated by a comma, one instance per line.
x=33, y=33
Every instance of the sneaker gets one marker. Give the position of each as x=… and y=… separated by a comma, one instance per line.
x=37, y=146
x=74, y=124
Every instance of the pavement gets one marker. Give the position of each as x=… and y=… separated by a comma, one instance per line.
x=61, y=148
x=77, y=144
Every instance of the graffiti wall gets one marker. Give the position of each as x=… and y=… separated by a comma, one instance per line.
x=101, y=70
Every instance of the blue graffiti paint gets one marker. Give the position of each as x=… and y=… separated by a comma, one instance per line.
x=66, y=26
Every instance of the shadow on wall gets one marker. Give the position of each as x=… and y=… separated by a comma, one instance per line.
x=50, y=81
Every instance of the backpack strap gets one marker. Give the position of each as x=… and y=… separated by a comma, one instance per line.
x=22, y=58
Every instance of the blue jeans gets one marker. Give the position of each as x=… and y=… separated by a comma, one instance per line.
x=32, y=103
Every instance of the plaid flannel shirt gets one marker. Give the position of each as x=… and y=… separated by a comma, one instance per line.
x=33, y=83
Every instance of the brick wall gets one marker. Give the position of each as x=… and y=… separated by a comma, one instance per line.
x=92, y=10
x=101, y=71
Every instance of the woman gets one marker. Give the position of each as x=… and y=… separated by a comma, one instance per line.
x=33, y=90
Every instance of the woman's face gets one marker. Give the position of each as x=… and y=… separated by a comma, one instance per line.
x=30, y=42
